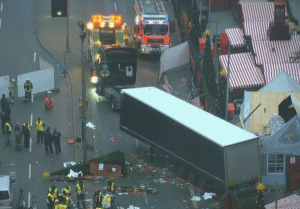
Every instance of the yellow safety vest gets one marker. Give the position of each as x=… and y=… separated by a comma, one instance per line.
x=9, y=126
x=27, y=86
x=79, y=191
x=54, y=193
x=40, y=126
x=107, y=202
x=62, y=206
x=50, y=195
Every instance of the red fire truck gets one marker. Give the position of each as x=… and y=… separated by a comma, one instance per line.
x=151, y=28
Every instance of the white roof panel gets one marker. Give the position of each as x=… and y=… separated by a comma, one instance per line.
x=217, y=130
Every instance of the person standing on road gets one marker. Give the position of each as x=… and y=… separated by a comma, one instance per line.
x=8, y=130
x=53, y=190
x=50, y=200
x=48, y=140
x=67, y=191
x=12, y=90
x=28, y=87
x=26, y=132
x=7, y=112
x=106, y=202
x=40, y=126
x=3, y=121
x=18, y=136
x=3, y=103
x=111, y=187
x=56, y=139
x=80, y=189
x=98, y=198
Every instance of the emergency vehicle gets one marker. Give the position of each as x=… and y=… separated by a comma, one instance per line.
x=104, y=32
x=151, y=28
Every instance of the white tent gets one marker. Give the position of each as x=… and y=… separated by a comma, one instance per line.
x=174, y=57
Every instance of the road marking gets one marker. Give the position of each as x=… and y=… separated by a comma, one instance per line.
x=115, y=6
x=32, y=97
x=28, y=199
x=34, y=56
x=30, y=144
x=31, y=120
x=1, y=7
x=0, y=22
x=29, y=171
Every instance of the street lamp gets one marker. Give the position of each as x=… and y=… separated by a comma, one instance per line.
x=82, y=36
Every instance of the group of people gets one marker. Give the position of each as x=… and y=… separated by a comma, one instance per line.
x=104, y=201
x=64, y=200
x=59, y=201
x=47, y=137
x=42, y=135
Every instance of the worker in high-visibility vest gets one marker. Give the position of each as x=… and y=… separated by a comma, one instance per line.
x=69, y=201
x=50, y=200
x=80, y=189
x=40, y=126
x=12, y=90
x=53, y=191
x=56, y=203
x=8, y=130
x=106, y=202
x=98, y=198
x=111, y=187
x=62, y=206
x=66, y=191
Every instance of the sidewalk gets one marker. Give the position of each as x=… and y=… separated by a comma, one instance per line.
x=51, y=33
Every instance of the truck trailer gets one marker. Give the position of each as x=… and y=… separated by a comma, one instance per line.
x=209, y=151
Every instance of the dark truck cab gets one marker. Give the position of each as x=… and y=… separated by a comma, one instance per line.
x=121, y=62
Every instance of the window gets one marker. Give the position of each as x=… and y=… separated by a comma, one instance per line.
x=4, y=195
x=156, y=29
x=275, y=163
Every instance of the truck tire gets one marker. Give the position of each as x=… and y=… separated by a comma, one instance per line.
x=112, y=104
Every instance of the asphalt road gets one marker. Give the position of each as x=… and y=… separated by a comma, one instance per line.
x=21, y=22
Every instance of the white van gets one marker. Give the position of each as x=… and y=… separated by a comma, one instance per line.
x=6, y=192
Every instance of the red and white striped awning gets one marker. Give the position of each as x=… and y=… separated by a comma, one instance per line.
x=258, y=11
x=243, y=72
x=272, y=70
x=196, y=102
x=290, y=202
x=276, y=51
x=257, y=30
x=236, y=37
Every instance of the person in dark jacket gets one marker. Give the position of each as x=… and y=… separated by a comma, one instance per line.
x=3, y=121
x=7, y=112
x=26, y=132
x=18, y=136
x=3, y=102
x=48, y=140
x=56, y=140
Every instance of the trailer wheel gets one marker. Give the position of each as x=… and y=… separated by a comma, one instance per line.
x=112, y=104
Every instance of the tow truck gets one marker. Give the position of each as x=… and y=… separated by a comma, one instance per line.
x=113, y=62
x=151, y=28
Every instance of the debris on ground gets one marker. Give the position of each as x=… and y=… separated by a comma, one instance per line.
x=91, y=125
x=68, y=164
x=196, y=198
x=208, y=195
x=136, y=190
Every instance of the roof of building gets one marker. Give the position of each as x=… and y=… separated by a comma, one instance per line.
x=211, y=127
x=236, y=37
x=269, y=101
x=243, y=72
x=258, y=11
x=257, y=30
x=287, y=138
x=281, y=81
x=290, y=202
x=276, y=51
